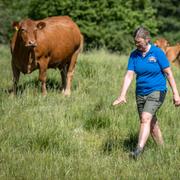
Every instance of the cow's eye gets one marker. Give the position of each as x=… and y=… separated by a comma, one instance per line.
x=23, y=30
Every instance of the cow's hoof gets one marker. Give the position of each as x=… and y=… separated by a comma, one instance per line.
x=44, y=94
x=66, y=93
x=12, y=95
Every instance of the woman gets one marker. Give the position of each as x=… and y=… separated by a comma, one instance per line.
x=151, y=67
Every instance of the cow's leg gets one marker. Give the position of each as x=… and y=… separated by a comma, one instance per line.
x=63, y=72
x=16, y=75
x=43, y=64
x=70, y=72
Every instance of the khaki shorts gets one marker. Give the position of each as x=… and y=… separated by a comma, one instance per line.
x=151, y=102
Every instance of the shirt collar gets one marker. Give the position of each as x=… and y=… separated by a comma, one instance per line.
x=150, y=50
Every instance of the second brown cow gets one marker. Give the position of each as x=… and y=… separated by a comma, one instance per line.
x=172, y=52
x=54, y=42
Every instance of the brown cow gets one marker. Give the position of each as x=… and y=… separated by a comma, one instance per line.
x=172, y=52
x=54, y=42
x=162, y=43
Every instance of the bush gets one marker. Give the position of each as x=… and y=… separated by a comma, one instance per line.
x=11, y=11
x=168, y=19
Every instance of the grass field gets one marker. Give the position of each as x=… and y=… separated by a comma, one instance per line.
x=81, y=136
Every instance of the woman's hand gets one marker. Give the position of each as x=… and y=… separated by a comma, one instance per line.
x=119, y=100
x=176, y=100
x=172, y=83
x=127, y=81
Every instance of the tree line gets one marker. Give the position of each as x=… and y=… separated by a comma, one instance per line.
x=104, y=23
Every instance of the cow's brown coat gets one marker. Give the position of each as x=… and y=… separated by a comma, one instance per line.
x=54, y=42
x=172, y=52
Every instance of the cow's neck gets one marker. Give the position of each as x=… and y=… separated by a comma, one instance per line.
x=27, y=56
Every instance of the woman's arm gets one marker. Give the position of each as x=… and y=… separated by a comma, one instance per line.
x=173, y=86
x=127, y=81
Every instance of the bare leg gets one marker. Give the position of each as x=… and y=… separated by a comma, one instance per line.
x=145, y=122
x=156, y=132
x=144, y=129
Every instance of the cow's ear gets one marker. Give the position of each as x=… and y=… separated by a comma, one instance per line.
x=16, y=25
x=41, y=25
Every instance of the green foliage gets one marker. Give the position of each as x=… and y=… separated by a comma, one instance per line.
x=11, y=11
x=168, y=13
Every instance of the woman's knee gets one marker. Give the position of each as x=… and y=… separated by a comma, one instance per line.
x=154, y=126
x=146, y=117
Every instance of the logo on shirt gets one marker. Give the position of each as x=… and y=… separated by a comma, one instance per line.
x=152, y=59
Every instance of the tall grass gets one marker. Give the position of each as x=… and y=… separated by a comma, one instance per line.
x=81, y=136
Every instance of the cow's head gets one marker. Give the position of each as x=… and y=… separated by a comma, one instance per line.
x=27, y=30
x=162, y=43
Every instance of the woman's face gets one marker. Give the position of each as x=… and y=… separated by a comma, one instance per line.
x=141, y=44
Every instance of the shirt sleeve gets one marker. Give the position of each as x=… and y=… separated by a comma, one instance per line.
x=130, y=63
x=162, y=59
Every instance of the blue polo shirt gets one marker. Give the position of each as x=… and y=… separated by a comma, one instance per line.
x=149, y=70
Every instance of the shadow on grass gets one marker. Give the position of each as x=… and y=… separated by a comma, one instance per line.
x=115, y=143
x=96, y=118
x=51, y=85
x=96, y=121
x=130, y=143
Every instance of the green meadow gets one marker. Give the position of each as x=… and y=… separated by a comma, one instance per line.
x=82, y=136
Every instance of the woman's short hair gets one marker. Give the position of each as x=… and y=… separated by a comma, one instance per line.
x=141, y=32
